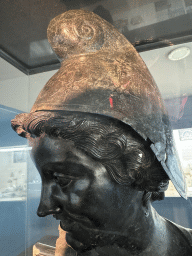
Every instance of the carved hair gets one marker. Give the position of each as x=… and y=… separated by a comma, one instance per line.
x=126, y=156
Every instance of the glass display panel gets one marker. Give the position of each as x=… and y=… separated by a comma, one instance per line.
x=13, y=183
x=13, y=179
x=183, y=145
x=144, y=23
x=173, y=79
x=156, y=28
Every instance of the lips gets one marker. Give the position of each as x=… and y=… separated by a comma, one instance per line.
x=69, y=221
x=80, y=237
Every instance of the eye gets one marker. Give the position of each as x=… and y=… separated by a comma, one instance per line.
x=62, y=180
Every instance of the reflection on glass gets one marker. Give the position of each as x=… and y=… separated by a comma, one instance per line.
x=13, y=183
x=145, y=13
x=183, y=143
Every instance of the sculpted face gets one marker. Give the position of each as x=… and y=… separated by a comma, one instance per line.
x=78, y=190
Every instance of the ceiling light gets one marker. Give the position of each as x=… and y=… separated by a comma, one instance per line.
x=179, y=53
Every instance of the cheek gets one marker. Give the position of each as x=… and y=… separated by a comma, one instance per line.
x=78, y=193
x=101, y=198
x=75, y=199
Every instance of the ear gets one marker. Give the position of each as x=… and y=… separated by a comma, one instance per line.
x=146, y=198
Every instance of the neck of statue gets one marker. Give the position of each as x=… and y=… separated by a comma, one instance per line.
x=148, y=237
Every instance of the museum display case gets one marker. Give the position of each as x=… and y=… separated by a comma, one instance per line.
x=160, y=30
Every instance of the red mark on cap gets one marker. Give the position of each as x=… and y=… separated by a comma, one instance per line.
x=184, y=101
x=181, y=110
x=111, y=102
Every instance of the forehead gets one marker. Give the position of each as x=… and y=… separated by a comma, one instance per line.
x=46, y=149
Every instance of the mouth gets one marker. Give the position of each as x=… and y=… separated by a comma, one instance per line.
x=73, y=223
x=70, y=220
x=82, y=237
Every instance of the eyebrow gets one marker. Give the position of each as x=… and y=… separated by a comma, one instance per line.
x=70, y=168
x=61, y=175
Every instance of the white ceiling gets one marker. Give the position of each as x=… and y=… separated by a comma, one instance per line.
x=7, y=71
x=174, y=78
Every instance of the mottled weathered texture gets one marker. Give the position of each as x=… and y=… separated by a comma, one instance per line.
x=102, y=73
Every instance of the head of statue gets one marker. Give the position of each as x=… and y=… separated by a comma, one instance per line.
x=98, y=176
x=100, y=136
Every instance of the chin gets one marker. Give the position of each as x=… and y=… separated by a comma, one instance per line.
x=78, y=237
x=81, y=238
x=75, y=244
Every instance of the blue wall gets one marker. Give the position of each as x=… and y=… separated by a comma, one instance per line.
x=12, y=228
x=8, y=137
x=12, y=213
x=176, y=209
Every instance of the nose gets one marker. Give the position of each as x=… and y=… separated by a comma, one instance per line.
x=48, y=204
x=43, y=210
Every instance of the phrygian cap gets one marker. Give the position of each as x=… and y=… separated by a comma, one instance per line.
x=102, y=73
